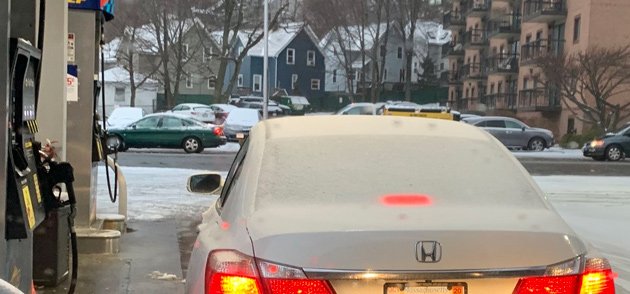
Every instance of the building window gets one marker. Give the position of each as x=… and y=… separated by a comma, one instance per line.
x=315, y=84
x=239, y=81
x=257, y=86
x=402, y=75
x=400, y=52
x=525, y=83
x=576, y=28
x=290, y=56
x=120, y=94
x=334, y=76
x=442, y=66
x=189, y=82
x=185, y=51
x=385, y=75
x=212, y=83
x=294, y=79
x=358, y=75
x=310, y=58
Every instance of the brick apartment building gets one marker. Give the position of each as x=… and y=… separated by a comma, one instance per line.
x=495, y=43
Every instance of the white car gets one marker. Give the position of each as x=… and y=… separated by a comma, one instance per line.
x=123, y=116
x=200, y=112
x=239, y=122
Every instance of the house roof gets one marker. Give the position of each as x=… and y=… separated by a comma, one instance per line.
x=146, y=35
x=432, y=32
x=120, y=75
x=217, y=36
x=352, y=34
x=280, y=38
x=110, y=50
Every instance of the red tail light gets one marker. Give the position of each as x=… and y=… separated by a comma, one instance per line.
x=218, y=131
x=230, y=272
x=597, y=278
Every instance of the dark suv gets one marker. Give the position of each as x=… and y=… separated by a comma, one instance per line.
x=613, y=146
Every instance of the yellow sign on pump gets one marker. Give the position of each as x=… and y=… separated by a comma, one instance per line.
x=37, y=191
x=29, y=207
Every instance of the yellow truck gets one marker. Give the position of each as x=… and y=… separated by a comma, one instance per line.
x=438, y=113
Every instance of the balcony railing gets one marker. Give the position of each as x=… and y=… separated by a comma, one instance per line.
x=503, y=64
x=454, y=19
x=475, y=38
x=473, y=71
x=539, y=99
x=477, y=8
x=541, y=48
x=500, y=101
x=454, y=50
x=544, y=11
x=505, y=26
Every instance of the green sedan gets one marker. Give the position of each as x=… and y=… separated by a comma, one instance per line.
x=168, y=131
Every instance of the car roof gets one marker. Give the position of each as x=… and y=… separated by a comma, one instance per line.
x=177, y=115
x=192, y=105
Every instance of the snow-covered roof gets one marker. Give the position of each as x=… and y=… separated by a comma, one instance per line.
x=110, y=50
x=121, y=75
x=281, y=37
x=432, y=32
x=146, y=35
x=217, y=36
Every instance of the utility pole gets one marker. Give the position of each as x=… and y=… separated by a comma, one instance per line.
x=266, y=61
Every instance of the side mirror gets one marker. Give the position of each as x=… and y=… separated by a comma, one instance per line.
x=133, y=126
x=344, y=113
x=523, y=129
x=210, y=183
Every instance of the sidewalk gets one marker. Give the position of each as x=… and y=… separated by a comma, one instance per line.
x=149, y=247
x=555, y=153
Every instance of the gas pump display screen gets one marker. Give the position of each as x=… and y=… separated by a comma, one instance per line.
x=28, y=93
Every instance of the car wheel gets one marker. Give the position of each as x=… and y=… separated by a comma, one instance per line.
x=614, y=153
x=192, y=145
x=536, y=144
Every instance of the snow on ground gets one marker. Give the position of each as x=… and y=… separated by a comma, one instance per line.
x=552, y=153
x=597, y=208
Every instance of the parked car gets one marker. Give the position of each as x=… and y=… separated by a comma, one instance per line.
x=221, y=112
x=327, y=204
x=123, y=116
x=272, y=110
x=200, y=112
x=277, y=108
x=166, y=130
x=514, y=133
x=299, y=105
x=239, y=122
x=613, y=146
x=361, y=108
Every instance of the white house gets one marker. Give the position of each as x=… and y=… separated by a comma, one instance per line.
x=429, y=39
x=118, y=90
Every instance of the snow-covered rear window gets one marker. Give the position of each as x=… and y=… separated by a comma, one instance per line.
x=361, y=169
x=243, y=116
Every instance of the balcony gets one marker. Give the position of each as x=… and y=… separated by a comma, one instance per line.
x=455, y=51
x=544, y=11
x=454, y=77
x=473, y=71
x=500, y=101
x=505, y=26
x=475, y=39
x=539, y=99
x=530, y=52
x=476, y=8
x=503, y=64
x=453, y=20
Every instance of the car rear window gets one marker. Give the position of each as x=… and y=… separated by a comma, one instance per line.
x=361, y=169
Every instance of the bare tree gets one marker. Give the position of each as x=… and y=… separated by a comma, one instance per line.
x=127, y=27
x=591, y=81
x=237, y=21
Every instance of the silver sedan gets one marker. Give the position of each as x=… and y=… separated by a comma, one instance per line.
x=371, y=204
x=514, y=133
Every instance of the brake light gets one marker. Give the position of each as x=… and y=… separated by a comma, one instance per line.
x=230, y=272
x=218, y=131
x=597, y=278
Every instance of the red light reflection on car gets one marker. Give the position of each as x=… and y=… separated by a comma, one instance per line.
x=406, y=200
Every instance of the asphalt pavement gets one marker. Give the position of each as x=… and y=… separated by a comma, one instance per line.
x=223, y=160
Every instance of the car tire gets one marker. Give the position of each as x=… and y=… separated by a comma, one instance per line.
x=192, y=145
x=614, y=152
x=536, y=144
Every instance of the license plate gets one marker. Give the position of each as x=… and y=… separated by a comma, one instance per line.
x=240, y=136
x=426, y=288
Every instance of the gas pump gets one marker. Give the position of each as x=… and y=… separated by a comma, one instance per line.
x=25, y=206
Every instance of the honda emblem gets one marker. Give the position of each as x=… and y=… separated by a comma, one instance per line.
x=428, y=251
